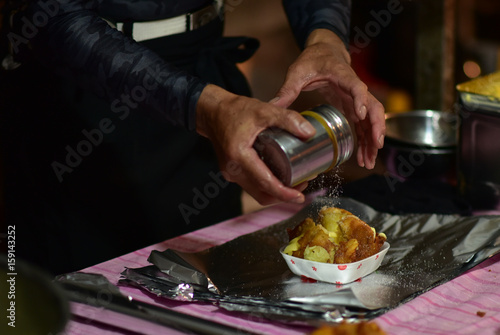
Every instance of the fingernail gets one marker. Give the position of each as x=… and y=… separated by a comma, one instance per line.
x=273, y=100
x=307, y=128
x=362, y=112
x=370, y=165
x=361, y=160
x=381, y=141
x=298, y=200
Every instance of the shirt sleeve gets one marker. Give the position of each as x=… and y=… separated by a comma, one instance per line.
x=307, y=15
x=70, y=38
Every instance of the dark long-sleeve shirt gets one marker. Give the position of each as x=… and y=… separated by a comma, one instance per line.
x=71, y=37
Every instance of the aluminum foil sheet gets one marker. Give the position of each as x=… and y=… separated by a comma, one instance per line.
x=94, y=299
x=248, y=273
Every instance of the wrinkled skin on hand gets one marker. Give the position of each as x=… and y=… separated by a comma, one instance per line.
x=233, y=122
x=324, y=65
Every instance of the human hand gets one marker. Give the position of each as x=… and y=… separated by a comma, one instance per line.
x=232, y=123
x=324, y=65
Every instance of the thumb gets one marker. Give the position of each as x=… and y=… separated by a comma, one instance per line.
x=287, y=94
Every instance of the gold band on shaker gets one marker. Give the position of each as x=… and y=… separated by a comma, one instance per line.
x=330, y=134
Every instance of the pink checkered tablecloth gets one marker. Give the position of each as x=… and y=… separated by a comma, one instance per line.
x=469, y=304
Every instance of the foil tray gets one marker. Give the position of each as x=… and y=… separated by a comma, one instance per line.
x=248, y=274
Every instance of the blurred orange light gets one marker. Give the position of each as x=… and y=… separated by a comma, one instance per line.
x=472, y=69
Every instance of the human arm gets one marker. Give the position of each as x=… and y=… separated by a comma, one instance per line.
x=74, y=41
x=232, y=123
x=246, y=118
x=79, y=44
x=324, y=65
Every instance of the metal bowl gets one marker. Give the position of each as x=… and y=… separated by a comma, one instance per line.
x=422, y=128
x=420, y=144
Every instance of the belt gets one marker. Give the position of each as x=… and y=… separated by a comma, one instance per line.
x=148, y=30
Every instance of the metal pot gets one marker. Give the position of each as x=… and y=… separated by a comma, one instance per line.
x=420, y=144
x=478, y=163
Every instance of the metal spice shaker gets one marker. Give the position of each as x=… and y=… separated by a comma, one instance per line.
x=294, y=161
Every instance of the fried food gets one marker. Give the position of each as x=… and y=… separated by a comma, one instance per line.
x=339, y=237
x=362, y=328
x=310, y=241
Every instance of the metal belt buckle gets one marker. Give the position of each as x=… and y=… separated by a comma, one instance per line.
x=201, y=17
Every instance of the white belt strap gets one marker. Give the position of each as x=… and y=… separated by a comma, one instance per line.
x=148, y=30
